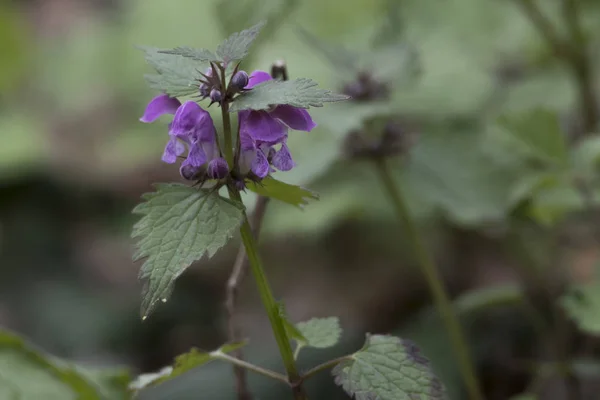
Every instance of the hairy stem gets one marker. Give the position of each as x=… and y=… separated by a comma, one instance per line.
x=250, y=367
x=266, y=295
x=264, y=288
x=228, y=143
x=240, y=268
x=440, y=296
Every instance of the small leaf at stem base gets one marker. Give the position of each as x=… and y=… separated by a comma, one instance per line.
x=388, y=368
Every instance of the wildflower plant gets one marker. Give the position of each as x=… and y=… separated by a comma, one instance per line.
x=181, y=223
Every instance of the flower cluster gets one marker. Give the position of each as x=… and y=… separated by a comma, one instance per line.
x=263, y=134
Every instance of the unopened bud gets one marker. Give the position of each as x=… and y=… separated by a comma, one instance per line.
x=239, y=80
x=216, y=96
x=204, y=88
x=279, y=70
x=190, y=172
x=217, y=169
x=366, y=88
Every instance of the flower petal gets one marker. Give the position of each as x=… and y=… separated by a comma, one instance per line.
x=191, y=119
x=296, y=118
x=283, y=159
x=262, y=127
x=217, y=168
x=260, y=165
x=258, y=77
x=173, y=149
x=196, y=156
x=158, y=106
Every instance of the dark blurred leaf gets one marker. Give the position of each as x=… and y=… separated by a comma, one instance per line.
x=553, y=203
x=183, y=363
x=236, y=46
x=449, y=169
x=582, y=304
x=342, y=60
x=177, y=75
x=15, y=47
x=112, y=384
x=390, y=63
x=538, y=134
x=27, y=373
x=179, y=225
x=294, y=195
x=392, y=28
x=300, y=92
x=530, y=184
x=234, y=15
x=480, y=300
x=388, y=368
x=585, y=157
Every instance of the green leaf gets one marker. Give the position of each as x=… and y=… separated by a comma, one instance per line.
x=150, y=378
x=340, y=58
x=294, y=195
x=202, y=55
x=536, y=134
x=582, y=304
x=388, y=368
x=236, y=46
x=291, y=329
x=585, y=157
x=111, y=383
x=449, y=169
x=177, y=76
x=388, y=63
x=183, y=363
x=480, y=300
x=27, y=373
x=235, y=15
x=179, y=226
x=301, y=92
x=229, y=347
x=320, y=333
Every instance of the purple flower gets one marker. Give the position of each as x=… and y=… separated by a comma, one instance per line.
x=262, y=130
x=192, y=127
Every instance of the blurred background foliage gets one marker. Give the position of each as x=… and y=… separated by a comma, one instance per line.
x=500, y=173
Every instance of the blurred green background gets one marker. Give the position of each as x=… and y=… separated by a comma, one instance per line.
x=74, y=160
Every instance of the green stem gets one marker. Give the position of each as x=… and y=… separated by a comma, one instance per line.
x=250, y=367
x=228, y=146
x=266, y=295
x=439, y=294
x=326, y=365
x=264, y=289
x=228, y=143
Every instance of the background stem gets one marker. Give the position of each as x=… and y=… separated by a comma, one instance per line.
x=581, y=66
x=438, y=292
x=573, y=52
